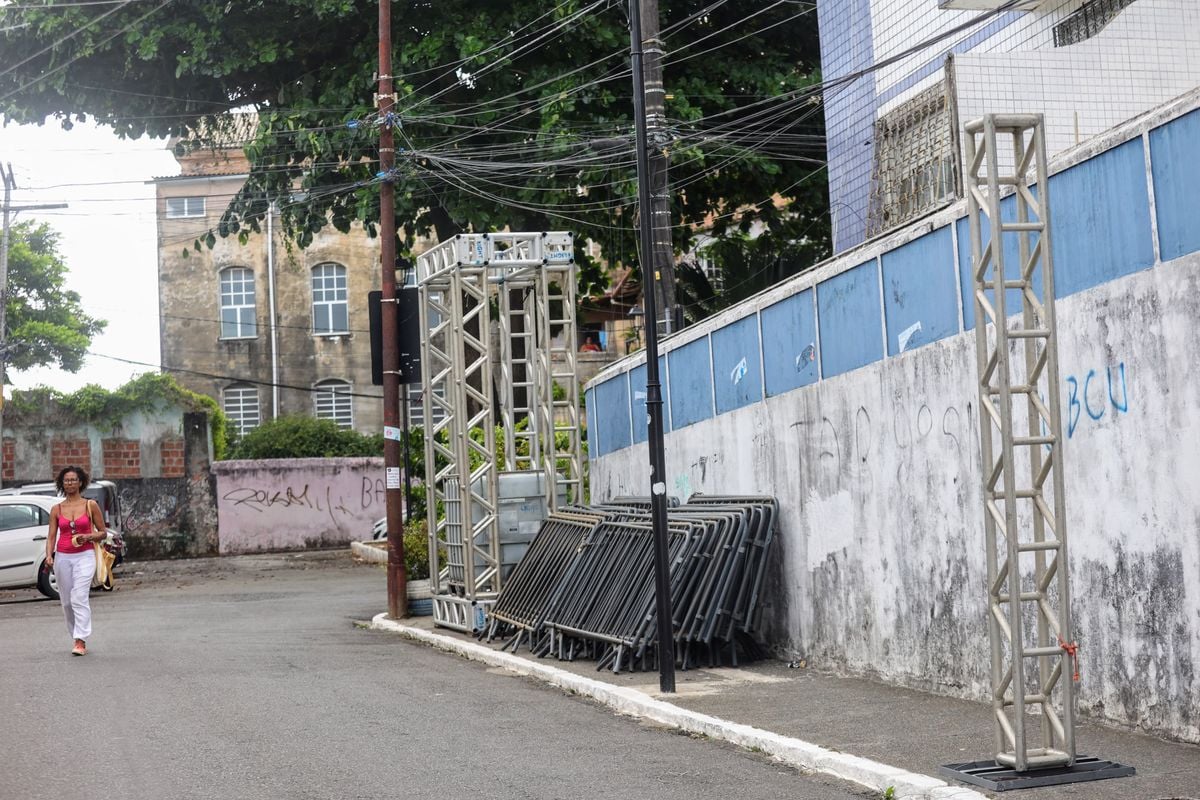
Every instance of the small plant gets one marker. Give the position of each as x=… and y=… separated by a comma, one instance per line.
x=889, y=793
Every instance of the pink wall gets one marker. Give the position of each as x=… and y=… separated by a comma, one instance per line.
x=297, y=503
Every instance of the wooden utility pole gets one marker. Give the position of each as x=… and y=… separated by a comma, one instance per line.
x=663, y=257
x=397, y=583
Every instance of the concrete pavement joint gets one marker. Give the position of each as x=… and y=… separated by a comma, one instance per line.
x=794, y=752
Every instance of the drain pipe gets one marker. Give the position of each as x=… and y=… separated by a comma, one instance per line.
x=271, y=305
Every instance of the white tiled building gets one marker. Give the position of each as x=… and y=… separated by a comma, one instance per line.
x=893, y=133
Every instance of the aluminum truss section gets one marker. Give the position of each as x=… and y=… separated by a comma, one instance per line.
x=459, y=280
x=1021, y=443
x=557, y=420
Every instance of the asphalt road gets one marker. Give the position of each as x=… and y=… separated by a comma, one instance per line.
x=249, y=678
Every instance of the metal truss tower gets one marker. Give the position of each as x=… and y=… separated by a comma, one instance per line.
x=1029, y=615
x=527, y=282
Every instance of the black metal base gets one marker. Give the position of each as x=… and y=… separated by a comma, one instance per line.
x=999, y=778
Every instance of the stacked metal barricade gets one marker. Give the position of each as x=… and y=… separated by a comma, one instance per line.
x=585, y=588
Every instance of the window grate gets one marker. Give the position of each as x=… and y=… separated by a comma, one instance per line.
x=240, y=404
x=915, y=167
x=332, y=400
x=1087, y=21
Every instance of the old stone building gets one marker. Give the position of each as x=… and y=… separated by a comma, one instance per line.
x=265, y=328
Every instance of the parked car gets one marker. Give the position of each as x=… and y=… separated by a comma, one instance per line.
x=24, y=523
x=105, y=495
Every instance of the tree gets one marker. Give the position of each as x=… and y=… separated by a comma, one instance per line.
x=46, y=321
x=742, y=265
x=508, y=114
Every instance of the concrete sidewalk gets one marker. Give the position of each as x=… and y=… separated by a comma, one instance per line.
x=874, y=735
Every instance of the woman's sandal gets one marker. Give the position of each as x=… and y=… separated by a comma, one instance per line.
x=80, y=649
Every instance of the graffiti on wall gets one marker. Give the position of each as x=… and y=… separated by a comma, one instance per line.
x=140, y=513
x=1094, y=395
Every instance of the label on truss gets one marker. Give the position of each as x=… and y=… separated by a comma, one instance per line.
x=392, y=432
x=393, y=477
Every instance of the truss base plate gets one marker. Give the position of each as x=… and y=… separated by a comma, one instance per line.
x=1000, y=778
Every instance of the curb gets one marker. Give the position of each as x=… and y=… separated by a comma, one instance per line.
x=367, y=552
x=797, y=753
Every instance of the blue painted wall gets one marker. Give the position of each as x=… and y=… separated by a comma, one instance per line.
x=849, y=317
x=612, y=414
x=691, y=384
x=1175, y=156
x=737, y=374
x=789, y=334
x=637, y=400
x=919, y=294
x=1100, y=218
x=1102, y=231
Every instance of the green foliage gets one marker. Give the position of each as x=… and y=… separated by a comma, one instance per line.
x=304, y=437
x=416, y=549
x=562, y=100
x=146, y=393
x=746, y=265
x=46, y=321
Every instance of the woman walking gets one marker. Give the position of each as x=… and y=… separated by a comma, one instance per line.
x=75, y=524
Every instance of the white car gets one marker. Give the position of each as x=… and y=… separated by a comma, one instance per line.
x=24, y=523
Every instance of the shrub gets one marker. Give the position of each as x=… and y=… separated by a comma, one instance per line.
x=304, y=437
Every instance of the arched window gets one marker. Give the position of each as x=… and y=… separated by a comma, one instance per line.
x=330, y=314
x=238, y=319
x=332, y=400
x=240, y=404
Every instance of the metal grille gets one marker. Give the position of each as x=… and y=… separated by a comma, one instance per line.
x=914, y=171
x=1021, y=442
x=240, y=404
x=332, y=400
x=1087, y=20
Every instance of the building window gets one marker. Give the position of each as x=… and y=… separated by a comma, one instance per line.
x=332, y=400
x=237, y=304
x=330, y=315
x=179, y=207
x=240, y=403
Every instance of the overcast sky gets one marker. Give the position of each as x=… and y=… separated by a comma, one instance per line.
x=107, y=237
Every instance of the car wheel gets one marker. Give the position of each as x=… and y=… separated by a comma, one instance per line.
x=47, y=584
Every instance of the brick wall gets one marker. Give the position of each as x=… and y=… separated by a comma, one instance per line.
x=122, y=458
x=8, y=470
x=69, y=453
x=172, y=458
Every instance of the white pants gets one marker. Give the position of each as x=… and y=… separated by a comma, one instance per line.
x=74, y=572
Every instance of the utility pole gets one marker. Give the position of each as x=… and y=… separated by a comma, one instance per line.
x=9, y=211
x=656, y=132
x=397, y=583
x=651, y=274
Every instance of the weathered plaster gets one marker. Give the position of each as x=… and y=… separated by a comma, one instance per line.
x=296, y=503
x=877, y=473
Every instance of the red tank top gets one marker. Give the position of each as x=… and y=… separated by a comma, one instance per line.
x=68, y=528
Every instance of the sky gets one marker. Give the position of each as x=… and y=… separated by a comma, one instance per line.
x=107, y=237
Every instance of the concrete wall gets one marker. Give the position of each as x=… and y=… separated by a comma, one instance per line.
x=37, y=444
x=297, y=503
x=827, y=393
